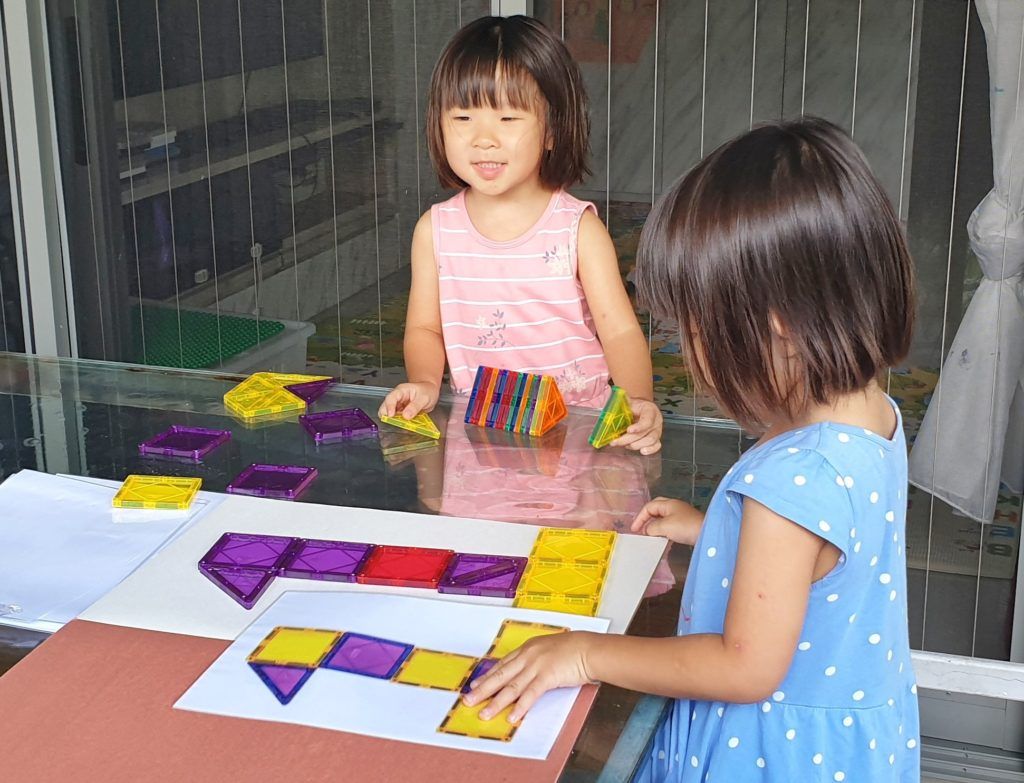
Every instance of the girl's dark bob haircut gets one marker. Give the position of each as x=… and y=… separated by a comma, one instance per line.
x=516, y=61
x=786, y=222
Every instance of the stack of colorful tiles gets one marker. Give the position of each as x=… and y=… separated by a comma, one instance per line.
x=268, y=394
x=515, y=401
x=287, y=658
x=615, y=418
x=244, y=565
x=566, y=571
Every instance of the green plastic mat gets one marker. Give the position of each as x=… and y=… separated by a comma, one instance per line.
x=204, y=339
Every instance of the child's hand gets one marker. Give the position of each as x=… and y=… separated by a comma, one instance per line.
x=410, y=399
x=644, y=434
x=677, y=520
x=557, y=660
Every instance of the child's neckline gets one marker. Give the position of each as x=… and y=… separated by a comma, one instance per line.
x=888, y=443
x=507, y=243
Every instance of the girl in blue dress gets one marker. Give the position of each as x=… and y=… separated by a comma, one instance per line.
x=783, y=261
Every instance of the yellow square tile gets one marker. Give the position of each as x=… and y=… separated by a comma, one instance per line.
x=576, y=579
x=295, y=647
x=161, y=492
x=573, y=545
x=515, y=633
x=433, y=669
x=466, y=722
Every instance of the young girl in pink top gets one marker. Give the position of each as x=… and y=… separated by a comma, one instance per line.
x=513, y=272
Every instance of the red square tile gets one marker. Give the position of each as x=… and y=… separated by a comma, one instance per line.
x=405, y=566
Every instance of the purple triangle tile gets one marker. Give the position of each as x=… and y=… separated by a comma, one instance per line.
x=245, y=585
x=311, y=391
x=283, y=681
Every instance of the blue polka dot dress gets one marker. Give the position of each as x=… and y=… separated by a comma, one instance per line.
x=847, y=709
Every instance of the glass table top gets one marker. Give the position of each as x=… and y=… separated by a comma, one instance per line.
x=88, y=418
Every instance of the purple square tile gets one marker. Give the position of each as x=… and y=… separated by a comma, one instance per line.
x=491, y=575
x=245, y=585
x=249, y=550
x=192, y=443
x=484, y=666
x=346, y=424
x=367, y=655
x=333, y=561
x=273, y=481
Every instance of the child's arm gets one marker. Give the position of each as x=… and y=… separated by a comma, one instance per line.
x=424, y=343
x=770, y=589
x=624, y=344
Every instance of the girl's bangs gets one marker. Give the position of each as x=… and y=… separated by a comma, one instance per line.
x=477, y=81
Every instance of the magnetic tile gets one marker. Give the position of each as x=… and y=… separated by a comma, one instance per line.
x=465, y=721
x=433, y=669
x=249, y=549
x=310, y=391
x=514, y=633
x=614, y=419
x=555, y=602
x=483, y=666
x=159, y=492
x=370, y=656
x=331, y=561
x=492, y=575
x=273, y=481
x=263, y=394
x=284, y=379
x=405, y=566
x=283, y=681
x=192, y=443
x=345, y=424
x=285, y=646
x=575, y=579
x=550, y=407
x=244, y=585
x=421, y=424
x=574, y=545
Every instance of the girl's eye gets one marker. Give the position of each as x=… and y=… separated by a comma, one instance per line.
x=510, y=119
x=460, y=118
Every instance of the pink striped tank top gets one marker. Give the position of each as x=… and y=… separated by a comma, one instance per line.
x=518, y=305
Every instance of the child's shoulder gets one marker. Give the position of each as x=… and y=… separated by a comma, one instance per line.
x=564, y=200
x=820, y=455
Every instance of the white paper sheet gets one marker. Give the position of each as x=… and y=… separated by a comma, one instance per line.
x=63, y=545
x=380, y=708
x=169, y=593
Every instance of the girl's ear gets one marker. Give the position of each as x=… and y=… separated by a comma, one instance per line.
x=779, y=329
x=781, y=333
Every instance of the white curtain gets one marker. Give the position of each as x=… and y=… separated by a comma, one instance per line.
x=972, y=436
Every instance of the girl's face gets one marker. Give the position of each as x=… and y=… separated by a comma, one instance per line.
x=496, y=151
